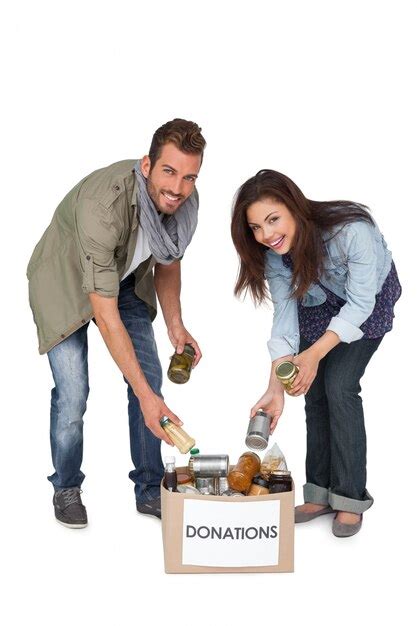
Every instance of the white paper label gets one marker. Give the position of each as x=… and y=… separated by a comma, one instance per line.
x=230, y=534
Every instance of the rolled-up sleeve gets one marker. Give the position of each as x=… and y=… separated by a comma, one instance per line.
x=285, y=334
x=97, y=239
x=361, y=282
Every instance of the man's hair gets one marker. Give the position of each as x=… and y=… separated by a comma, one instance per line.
x=182, y=133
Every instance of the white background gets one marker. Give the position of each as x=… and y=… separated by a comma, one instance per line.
x=323, y=91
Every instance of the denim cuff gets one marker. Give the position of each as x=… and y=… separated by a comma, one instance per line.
x=315, y=494
x=341, y=503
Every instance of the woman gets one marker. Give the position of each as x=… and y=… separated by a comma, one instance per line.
x=334, y=286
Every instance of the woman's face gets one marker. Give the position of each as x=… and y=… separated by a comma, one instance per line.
x=272, y=224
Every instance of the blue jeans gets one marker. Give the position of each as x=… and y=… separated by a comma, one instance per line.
x=68, y=361
x=336, y=437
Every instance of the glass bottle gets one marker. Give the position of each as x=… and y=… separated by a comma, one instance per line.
x=170, y=475
x=286, y=372
x=179, y=370
x=240, y=477
x=178, y=436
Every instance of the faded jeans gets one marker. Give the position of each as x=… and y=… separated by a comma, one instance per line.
x=336, y=437
x=68, y=361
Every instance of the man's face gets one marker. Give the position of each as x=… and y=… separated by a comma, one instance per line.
x=172, y=179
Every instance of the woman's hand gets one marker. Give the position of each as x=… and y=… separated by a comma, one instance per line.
x=272, y=402
x=308, y=363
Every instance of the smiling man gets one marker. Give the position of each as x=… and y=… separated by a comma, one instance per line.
x=114, y=243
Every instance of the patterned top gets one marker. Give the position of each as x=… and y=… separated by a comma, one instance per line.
x=314, y=320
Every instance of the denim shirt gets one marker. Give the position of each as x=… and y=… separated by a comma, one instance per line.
x=356, y=264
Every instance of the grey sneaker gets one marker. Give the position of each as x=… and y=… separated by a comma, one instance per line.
x=152, y=507
x=69, y=509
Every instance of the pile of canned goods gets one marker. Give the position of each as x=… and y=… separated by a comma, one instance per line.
x=210, y=474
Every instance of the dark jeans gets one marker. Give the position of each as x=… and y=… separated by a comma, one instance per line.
x=68, y=361
x=336, y=437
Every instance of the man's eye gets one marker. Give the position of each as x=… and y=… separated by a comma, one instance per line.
x=168, y=171
x=190, y=179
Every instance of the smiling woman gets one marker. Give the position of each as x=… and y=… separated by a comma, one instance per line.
x=333, y=285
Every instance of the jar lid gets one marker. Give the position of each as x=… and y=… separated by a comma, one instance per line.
x=285, y=370
x=183, y=478
x=262, y=413
x=280, y=474
x=259, y=480
x=188, y=349
x=194, y=451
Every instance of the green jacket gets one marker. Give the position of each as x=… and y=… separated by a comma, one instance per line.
x=87, y=248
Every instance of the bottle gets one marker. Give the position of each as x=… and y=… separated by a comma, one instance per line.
x=170, y=475
x=240, y=477
x=258, y=431
x=286, y=372
x=280, y=481
x=177, y=435
x=179, y=370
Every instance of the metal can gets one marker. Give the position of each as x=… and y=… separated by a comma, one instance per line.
x=180, y=367
x=286, y=372
x=258, y=431
x=222, y=485
x=209, y=465
x=280, y=481
x=231, y=493
x=205, y=485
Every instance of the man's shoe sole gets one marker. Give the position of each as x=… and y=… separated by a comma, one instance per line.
x=71, y=525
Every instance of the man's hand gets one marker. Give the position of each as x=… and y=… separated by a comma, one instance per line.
x=154, y=409
x=179, y=336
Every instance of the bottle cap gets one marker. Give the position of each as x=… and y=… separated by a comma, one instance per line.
x=194, y=451
x=169, y=459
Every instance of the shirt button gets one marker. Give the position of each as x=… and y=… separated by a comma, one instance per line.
x=62, y=336
x=88, y=257
x=116, y=188
x=82, y=321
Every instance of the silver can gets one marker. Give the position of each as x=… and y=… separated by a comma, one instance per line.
x=222, y=485
x=258, y=431
x=205, y=485
x=231, y=493
x=209, y=465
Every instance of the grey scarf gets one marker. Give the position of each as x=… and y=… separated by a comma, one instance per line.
x=168, y=238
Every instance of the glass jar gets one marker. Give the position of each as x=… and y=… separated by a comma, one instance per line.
x=179, y=370
x=286, y=372
x=259, y=486
x=178, y=436
x=280, y=481
x=240, y=477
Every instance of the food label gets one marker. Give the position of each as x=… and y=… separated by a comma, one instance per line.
x=230, y=534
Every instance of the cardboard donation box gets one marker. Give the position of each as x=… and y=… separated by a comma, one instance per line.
x=219, y=534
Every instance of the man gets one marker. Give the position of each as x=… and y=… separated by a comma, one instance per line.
x=95, y=261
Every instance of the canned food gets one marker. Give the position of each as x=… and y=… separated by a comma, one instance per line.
x=258, y=431
x=205, y=485
x=209, y=465
x=222, y=485
x=232, y=493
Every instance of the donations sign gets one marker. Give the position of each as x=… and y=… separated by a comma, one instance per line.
x=230, y=534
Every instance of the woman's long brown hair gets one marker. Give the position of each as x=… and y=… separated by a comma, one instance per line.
x=312, y=219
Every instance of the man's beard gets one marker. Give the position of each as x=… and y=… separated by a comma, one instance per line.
x=153, y=194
